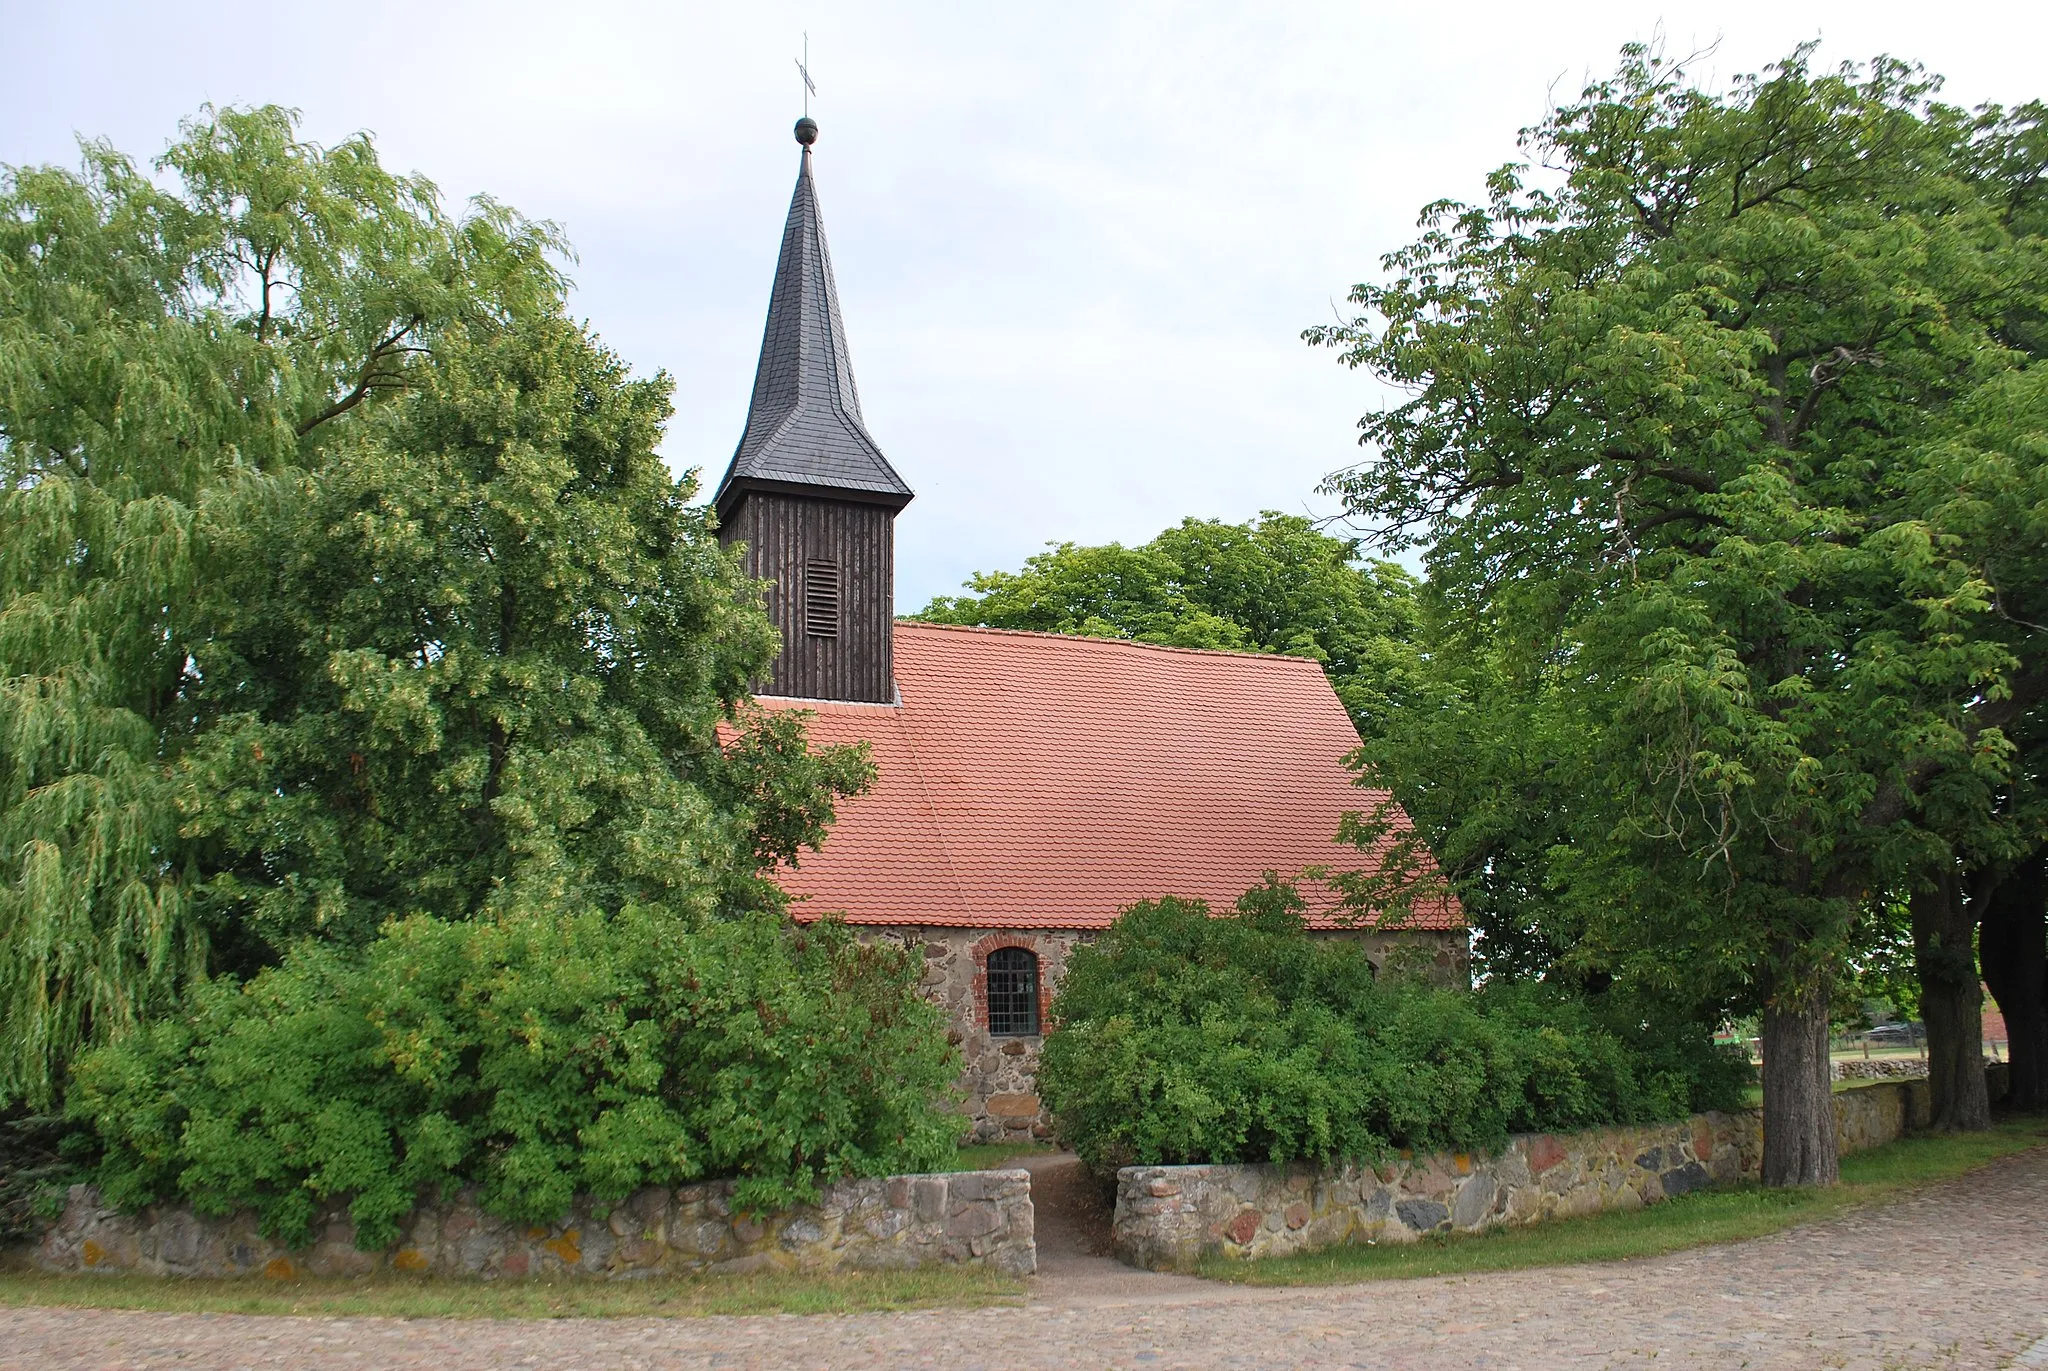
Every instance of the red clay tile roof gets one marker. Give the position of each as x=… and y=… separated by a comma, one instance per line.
x=1033, y=780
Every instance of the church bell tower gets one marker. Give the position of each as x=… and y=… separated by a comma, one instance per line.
x=809, y=492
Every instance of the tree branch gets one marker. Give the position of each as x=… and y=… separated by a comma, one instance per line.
x=1685, y=476
x=369, y=378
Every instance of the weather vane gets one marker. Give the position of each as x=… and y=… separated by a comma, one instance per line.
x=803, y=67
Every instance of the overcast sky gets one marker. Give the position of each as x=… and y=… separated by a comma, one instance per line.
x=1076, y=243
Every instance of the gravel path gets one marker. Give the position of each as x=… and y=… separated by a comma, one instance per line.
x=1955, y=1277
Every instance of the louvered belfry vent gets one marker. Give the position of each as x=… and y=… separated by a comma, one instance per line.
x=821, y=599
x=809, y=494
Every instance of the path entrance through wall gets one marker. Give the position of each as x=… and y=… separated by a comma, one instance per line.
x=1070, y=1212
x=1070, y=1222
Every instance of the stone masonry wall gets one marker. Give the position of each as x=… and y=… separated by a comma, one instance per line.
x=1880, y=1069
x=999, y=1075
x=974, y=1218
x=1170, y=1217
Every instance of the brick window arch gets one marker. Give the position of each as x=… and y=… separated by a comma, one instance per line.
x=1011, y=978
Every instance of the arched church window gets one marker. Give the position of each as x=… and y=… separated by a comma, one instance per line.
x=1012, y=992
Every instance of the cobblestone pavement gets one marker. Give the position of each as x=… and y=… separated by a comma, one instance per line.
x=1954, y=1277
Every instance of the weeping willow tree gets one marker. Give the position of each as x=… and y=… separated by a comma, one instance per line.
x=164, y=339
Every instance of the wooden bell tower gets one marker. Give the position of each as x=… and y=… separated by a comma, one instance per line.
x=809, y=492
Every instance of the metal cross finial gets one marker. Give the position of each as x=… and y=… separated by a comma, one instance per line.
x=803, y=67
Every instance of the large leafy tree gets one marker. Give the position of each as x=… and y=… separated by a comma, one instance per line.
x=477, y=663
x=157, y=341
x=1683, y=422
x=338, y=581
x=1274, y=584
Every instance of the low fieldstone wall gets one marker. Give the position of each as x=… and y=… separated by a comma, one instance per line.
x=1880, y=1069
x=971, y=1218
x=1170, y=1217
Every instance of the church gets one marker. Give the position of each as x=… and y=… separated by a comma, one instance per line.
x=1029, y=785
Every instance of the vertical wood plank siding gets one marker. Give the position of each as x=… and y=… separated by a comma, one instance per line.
x=781, y=533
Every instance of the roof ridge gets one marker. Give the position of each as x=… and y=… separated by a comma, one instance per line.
x=910, y=621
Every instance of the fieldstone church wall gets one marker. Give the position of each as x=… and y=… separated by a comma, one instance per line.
x=998, y=1074
x=972, y=1218
x=1171, y=1217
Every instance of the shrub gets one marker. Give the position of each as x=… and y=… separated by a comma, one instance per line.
x=39, y=1157
x=1184, y=1037
x=534, y=1058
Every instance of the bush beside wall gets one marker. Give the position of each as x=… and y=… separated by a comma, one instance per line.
x=1181, y=1037
x=533, y=1059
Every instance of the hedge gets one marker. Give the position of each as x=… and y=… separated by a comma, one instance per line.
x=1182, y=1036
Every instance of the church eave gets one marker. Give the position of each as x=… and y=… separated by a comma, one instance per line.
x=736, y=488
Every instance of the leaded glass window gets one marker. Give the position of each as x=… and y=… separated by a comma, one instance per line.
x=1012, y=991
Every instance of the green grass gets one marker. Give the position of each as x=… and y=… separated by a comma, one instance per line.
x=995, y=1156
x=1726, y=1214
x=424, y=1297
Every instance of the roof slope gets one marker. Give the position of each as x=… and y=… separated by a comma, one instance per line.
x=804, y=426
x=1040, y=781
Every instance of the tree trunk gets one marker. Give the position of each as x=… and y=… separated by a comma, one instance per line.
x=1799, y=1111
x=1951, y=1005
x=2013, y=942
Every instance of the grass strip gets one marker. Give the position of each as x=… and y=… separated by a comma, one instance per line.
x=411, y=1297
x=996, y=1156
x=1723, y=1214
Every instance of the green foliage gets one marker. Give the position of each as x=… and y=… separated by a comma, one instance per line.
x=40, y=1156
x=1182, y=1037
x=155, y=345
x=536, y=1057
x=1276, y=584
x=1729, y=459
x=340, y=581
x=476, y=662
x=1484, y=764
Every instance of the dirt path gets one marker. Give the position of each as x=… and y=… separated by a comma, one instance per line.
x=1070, y=1218
x=1955, y=1277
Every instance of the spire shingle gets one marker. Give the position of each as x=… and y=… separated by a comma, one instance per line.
x=803, y=426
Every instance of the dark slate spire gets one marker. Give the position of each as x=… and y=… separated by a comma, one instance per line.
x=804, y=431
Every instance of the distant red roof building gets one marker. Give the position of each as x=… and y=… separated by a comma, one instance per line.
x=1041, y=781
x=1993, y=1022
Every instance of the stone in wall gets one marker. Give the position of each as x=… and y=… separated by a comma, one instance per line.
x=971, y=1218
